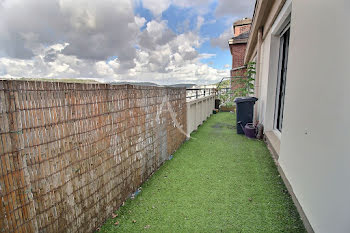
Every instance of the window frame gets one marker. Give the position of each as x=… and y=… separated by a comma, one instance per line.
x=283, y=55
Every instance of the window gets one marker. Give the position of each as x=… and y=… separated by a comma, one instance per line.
x=282, y=76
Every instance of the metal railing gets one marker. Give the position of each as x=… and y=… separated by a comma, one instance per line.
x=224, y=90
x=197, y=93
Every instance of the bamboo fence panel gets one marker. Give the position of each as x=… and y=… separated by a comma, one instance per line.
x=71, y=153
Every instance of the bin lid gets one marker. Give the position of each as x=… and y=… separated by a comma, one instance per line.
x=245, y=99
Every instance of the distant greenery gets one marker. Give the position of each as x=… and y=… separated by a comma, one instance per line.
x=226, y=97
x=246, y=87
x=227, y=100
x=247, y=83
x=216, y=182
x=224, y=84
x=228, y=104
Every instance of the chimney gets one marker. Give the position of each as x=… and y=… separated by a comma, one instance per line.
x=241, y=26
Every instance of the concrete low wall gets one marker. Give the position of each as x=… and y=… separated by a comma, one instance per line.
x=198, y=111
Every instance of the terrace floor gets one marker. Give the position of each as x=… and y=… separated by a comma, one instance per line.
x=217, y=181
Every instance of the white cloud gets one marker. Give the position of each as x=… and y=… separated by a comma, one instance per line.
x=201, y=6
x=95, y=30
x=200, y=21
x=76, y=39
x=222, y=40
x=170, y=63
x=237, y=8
x=155, y=6
x=206, y=55
x=140, y=21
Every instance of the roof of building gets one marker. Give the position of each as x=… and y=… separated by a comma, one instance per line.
x=244, y=35
x=243, y=21
x=242, y=38
x=265, y=13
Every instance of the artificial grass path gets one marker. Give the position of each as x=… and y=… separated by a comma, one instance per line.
x=217, y=181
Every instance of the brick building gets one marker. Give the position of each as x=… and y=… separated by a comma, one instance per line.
x=238, y=44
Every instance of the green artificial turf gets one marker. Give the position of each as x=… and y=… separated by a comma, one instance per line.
x=217, y=181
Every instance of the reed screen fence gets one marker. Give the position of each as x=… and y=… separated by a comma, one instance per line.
x=71, y=153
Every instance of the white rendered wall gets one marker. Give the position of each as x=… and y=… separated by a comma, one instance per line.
x=269, y=69
x=315, y=153
x=198, y=111
x=263, y=75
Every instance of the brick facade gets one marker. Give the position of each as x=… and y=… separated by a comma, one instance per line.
x=238, y=30
x=238, y=46
x=237, y=73
x=238, y=51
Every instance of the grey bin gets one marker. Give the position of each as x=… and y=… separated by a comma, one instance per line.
x=245, y=111
x=217, y=103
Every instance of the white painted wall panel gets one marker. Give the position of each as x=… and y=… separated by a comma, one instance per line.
x=198, y=111
x=315, y=154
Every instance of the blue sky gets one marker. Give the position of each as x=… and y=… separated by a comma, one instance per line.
x=180, y=20
x=161, y=41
